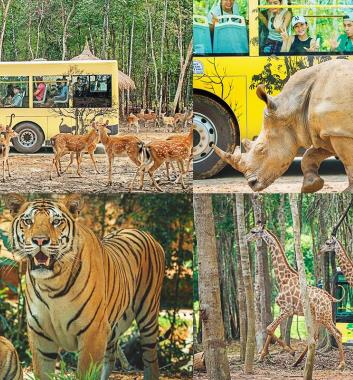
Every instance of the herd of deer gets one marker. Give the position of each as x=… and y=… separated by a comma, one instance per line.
x=151, y=117
x=147, y=157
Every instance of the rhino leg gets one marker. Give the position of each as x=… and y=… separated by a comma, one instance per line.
x=310, y=166
x=343, y=147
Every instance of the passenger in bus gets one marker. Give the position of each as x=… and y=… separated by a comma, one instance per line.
x=300, y=42
x=222, y=7
x=63, y=91
x=38, y=95
x=344, y=43
x=6, y=100
x=16, y=100
x=275, y=20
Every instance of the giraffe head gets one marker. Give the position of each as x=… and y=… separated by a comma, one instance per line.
x=329, y=246
x=256, y=233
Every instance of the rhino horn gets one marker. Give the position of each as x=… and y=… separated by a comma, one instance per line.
x=268, y=99
x=231, y=159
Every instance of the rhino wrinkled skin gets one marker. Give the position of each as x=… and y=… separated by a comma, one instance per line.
x=314, y=111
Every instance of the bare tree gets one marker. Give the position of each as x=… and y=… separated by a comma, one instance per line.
x=5, y=12
x=309, y=364
x=249, y=291
x=210, y=300
x=66, y=17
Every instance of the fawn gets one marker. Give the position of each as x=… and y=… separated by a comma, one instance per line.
x=154, y=154
x=168, y=120
x=64, y=143
x=187, y=139
x=118, y=146
x=183, y=117
x=9, y=133
x=133, y=120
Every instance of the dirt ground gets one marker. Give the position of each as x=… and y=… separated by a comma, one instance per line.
x=230, y=181
x=279, y=366
x=30, y=173
x=119, y=376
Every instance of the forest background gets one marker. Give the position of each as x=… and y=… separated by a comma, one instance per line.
x=150, y=39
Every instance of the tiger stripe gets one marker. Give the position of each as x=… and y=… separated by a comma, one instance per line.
x=10, y=366
x=87, y=292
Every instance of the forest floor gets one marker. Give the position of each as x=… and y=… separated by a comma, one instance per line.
x=230, y=181
x=30, y=173
x=279, y=365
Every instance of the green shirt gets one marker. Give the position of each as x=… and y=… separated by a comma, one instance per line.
x=345, y=44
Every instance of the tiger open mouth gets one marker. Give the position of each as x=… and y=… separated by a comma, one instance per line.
x=42, y=261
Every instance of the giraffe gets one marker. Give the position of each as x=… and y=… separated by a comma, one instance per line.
x=346, y=264
x=289, y=301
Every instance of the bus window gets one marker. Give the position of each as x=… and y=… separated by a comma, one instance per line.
x=220, y=27
x=302, y=31
x=92, y=91
x=14, y=92
x=57, y=91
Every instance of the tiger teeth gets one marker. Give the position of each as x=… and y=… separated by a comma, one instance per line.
x=36, y=262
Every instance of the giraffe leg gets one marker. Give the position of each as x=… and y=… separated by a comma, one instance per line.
x=338, y=337
x=271, y=335
x=302, y=355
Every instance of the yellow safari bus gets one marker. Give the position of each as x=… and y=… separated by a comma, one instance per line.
x=45, y=98
x=239, y=44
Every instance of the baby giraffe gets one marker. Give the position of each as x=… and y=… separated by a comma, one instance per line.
x=289, y=301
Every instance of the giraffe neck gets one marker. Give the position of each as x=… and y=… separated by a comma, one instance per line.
x=345, y=263
x=283, y=271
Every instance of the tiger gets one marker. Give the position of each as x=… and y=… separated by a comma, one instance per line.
x=82, y=293
x=10, y=366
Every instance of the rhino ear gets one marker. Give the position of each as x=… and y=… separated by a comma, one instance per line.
x=261, y=94
x=246, y=144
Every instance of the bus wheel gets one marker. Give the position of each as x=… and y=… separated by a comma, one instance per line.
x=30, y=138
x=213, y=124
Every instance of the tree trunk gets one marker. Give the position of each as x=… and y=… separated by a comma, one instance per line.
x=210, y=301
x=309, y=364
x=182, y=76
x=5, y=11
x=153, y=55
x=260, y=278
x=249, y=292
x=106, y=29
x=130, y=63
x=66, y=24
x=241, y=291
x=162, y=56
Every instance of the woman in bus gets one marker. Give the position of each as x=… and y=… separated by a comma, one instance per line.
x=222, y=7
x=344, y=43
x=300, y=42
x=275, y=20
x=39, y=93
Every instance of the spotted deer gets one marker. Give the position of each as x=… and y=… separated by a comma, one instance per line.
x=168, y=120
x=154, y=154
x=289, y=300
x=118, y=146
x=184, y=118
x=65, y=143
x=133, y=120
x=5, y=140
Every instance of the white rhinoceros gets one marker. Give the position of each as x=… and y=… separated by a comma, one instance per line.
x=314, y=111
